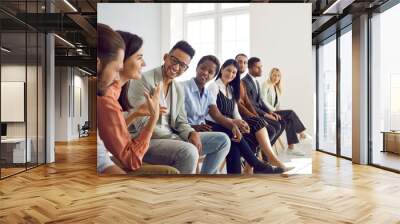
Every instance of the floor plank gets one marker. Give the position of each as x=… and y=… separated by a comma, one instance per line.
x=70, y=191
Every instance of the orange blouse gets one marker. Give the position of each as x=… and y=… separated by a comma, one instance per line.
x=114, y=131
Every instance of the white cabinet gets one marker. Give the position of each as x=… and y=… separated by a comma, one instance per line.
x=13, y=150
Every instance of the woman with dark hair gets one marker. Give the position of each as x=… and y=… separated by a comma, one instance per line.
x=257, y=134
x=133, y=58
x=133, y=64
x=226, y=88
x=113, y=129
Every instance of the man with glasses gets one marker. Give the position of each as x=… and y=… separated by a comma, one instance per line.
x=174, y=142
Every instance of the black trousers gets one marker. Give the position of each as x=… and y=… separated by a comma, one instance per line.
x=293, y=125
x=275, y=129
x=238, y=149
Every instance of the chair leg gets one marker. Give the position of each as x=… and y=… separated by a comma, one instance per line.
x=201, y=159
x=281, y=143
x=221, y=168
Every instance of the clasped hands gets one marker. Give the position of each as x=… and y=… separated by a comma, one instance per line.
x=239, y=128
x=273, y=116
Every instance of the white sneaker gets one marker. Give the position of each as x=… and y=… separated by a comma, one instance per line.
x=295, y=151
x=288, y=168
x=305, y=139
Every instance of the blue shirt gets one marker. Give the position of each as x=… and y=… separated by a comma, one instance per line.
x=196, y=106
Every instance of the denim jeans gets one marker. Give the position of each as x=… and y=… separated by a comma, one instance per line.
x=216, y=146
x=184, y=155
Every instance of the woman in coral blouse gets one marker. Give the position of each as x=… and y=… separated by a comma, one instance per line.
x=113, y=130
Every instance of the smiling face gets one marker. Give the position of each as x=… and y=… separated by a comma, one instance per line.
x=175, y=64
x=110, y=72
x=228, y=74
x=205, y=72
x=133, y=65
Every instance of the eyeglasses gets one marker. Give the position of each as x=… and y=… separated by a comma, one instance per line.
x=175, y=61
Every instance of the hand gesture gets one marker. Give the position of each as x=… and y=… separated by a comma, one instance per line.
x=152, y=105
x=278, y=117
x=242, y=125
x=270, y=116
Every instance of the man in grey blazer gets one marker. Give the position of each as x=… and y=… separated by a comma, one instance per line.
x=253, y=92
x=174, y=142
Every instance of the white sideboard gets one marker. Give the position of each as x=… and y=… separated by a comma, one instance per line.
x=13, y=150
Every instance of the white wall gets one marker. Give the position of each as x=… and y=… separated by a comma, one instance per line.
x=131, y=17
x=66, y=121
x=61, y=104
x=80, y=83
x=280, y=35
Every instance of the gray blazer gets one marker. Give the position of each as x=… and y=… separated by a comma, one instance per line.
x=178, y=121
x=255, y=98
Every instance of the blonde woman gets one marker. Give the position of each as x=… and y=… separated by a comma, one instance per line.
x=271, y=92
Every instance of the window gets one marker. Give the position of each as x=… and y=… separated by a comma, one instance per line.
x=234, y=5
x=234, y=38
x=327, y=97
x=201, y=35
x=220, y=29
x=335, y=74
x=346, y=94
x=199, y=7
x=394, y=101
x=385, y=84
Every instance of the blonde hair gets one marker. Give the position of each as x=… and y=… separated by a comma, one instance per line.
x=279, y=84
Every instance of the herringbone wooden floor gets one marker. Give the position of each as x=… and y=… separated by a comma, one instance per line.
x=70, y=191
